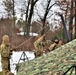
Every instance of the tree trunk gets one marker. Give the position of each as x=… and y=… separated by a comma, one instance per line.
x=29, y=17
x=65, y=29
x=71, y=21
x=43, y=30
x=75, y=18
x=13, y=14
x=45, y=15
x=26, y=20
x=28, y=30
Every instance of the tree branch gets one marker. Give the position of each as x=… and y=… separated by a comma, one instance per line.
x=51, y=6
x=35, y=2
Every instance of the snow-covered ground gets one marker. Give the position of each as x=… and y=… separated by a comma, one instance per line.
x=31, y=34
x=16, y=58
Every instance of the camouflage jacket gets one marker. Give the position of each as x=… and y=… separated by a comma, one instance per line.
x=40, y=42
x=53, y=46
x=5, y=51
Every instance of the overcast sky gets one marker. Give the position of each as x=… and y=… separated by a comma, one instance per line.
x=39, y=7
x=19, y=4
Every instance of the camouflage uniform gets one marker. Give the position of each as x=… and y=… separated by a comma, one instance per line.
x=39, y=45
x=60, y=43
x=53, y=46
x=5, y=55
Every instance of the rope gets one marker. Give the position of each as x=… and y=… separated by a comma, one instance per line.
x=31, y=37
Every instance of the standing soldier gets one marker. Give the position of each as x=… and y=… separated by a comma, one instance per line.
x=5, y=54
x=39, y=45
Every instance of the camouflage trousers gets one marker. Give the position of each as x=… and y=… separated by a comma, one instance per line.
x=6, y=73
x=38, y=53
x=3, y=73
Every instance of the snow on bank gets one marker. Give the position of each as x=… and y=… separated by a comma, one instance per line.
x=31, y=34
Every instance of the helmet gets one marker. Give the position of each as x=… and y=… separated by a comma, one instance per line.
x=5, y=39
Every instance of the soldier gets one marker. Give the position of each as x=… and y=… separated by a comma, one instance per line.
x=60, y=42
x=5, y=54
x=39, y=45
x=54, y=45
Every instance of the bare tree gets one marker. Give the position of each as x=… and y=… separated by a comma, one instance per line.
x=68, y=7
x=13, y=12
x=9, y=8
x=71, y=20
x=47, y=8
x=33, y=2
x=29, y=10
x=46, y=13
